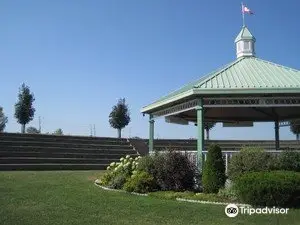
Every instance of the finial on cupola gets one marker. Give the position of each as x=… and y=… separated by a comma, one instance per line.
x=245, y=40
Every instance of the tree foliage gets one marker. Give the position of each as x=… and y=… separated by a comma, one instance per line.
x=295, y=127
x=24, y=110
x=119, y=116
x=208, y=125
x=32, y=130
x=213, y=177
x=59, y=131
x=3, y=120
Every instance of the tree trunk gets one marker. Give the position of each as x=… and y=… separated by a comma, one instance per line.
x=23, y=128
x=119, y=133
x=207, y=134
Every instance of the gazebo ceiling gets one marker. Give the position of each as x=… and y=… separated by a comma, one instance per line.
x=245, y=76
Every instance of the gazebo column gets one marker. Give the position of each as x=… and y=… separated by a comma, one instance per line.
x=277, y=135
x=151, y=133
x=200, y=132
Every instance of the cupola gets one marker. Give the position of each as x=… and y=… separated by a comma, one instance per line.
x=245, y=42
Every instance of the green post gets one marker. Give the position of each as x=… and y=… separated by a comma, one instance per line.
x=200, y=131
x=151, y=133
x=277, y=135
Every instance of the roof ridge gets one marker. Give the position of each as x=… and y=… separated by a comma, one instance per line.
x=215, y=73
x=276, y=64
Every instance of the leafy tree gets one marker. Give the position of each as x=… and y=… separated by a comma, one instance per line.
x=24, y=110
x=32, y=130
x=295, y=127
x=3, y=120
x=207, y=127
x=58, y=132
x=119, y=116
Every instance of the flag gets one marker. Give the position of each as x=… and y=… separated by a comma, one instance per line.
x=245, y=9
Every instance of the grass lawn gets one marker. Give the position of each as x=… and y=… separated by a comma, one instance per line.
x=70, y=197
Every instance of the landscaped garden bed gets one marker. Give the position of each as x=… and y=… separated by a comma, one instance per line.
x=170, y=175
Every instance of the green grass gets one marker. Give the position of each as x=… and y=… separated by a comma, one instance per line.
x=70, y=197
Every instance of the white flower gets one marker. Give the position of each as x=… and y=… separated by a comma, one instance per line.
x=112, y=164
x=122, y=159
x=126, y=165
x=108, y=168
x=127, y=156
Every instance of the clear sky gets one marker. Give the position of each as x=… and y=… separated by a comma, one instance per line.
x=79, y=57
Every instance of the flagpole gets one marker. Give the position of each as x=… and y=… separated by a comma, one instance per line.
x=243, y=14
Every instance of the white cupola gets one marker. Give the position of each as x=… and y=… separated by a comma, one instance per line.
x=245, y=43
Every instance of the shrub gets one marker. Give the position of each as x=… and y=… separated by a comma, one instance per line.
x=106, y=178
x=171, y=170
x=147, y=164
x=250, y=159
x=275, y=188
x=141, y=182
x=289, y=160
x=214, y=170
x=118, y=181
x=171, y=195
x=118, y=172
x=176, y=172
x=228, y=191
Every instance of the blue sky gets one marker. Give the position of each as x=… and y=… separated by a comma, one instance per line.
x=79, y=57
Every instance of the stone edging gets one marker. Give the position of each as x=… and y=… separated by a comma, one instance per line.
x=177, y=199
x=117, y=190
x=208, y=202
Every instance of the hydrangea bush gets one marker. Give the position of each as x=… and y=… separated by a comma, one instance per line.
x=118, y=172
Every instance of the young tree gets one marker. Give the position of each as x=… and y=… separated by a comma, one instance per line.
x=3, y=120
x=24, y=111
x=213, y=177
x=58, y=132
x=119, y=116
x=295, y=128
x=32, y=130
x=207, y=127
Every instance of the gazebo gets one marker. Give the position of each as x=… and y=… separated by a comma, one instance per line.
x=246, y=90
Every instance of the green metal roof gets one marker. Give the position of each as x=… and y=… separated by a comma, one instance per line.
x=244, y=34
x=246, y=75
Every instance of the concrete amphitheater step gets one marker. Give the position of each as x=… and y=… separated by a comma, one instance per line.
x=34, y=160
x=14, y=136
x=63, y=144
x=52, y=166
x=61, y=140
x=66, y=150
x=62, y=155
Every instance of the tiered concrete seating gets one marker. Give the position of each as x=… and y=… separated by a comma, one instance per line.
x=49, y=152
